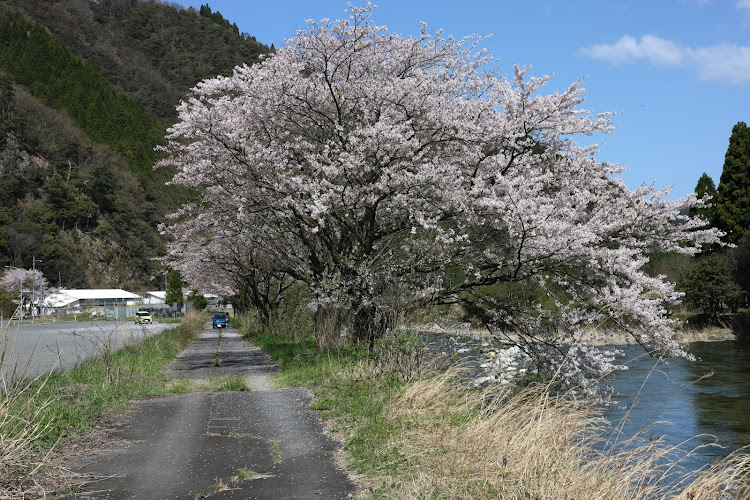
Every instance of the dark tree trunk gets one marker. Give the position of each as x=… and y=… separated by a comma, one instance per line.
x=241, y=302
x=329, y=324
x=370, y=324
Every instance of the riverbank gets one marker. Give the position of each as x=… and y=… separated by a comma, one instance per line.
x=490, y=360
x=594, y=337
x=411, y=433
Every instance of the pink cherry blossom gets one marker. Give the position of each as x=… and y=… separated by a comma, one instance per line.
x=13, y=278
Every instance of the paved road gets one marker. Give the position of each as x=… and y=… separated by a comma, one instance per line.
x=35, y=349
x=263, y=444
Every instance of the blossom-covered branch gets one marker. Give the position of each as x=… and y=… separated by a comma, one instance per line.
x=355, y=160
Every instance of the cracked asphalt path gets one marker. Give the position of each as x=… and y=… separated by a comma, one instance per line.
x=262, y=444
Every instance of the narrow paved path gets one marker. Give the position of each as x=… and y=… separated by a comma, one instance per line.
x=214, y=356
x=262, y=444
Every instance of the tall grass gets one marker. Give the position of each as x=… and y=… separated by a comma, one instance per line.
x=22, y=424
x=416, y=433
x=35, y=414
x=460, y=443
x=79, y=396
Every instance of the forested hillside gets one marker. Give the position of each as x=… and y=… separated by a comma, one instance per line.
x=87, y=89
x=152, y=51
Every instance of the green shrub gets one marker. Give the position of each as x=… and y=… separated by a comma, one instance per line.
x=708, y=286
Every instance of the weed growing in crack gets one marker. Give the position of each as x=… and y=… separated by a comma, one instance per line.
x=275, y=451
x=217, y=360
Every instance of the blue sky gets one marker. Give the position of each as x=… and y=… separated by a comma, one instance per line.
x=677, y=71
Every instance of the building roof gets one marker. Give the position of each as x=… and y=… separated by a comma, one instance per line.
x=58, y=299
x=102, y=293
x=64, y=297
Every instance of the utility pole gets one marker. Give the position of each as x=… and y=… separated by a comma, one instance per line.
x=41, y=292
x=33, y=287
x=34, y=260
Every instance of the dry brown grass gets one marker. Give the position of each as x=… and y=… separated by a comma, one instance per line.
x=460, y=443
x=23, y=470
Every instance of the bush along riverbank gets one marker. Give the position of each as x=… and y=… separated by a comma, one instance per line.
x=413, y=428
x=491, y=361
x=485, y=361
x=41, y=417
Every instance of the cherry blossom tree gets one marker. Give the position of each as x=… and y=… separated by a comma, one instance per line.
x=15, y=281
x=216, y=255
x=355, y=160
x=13, y=278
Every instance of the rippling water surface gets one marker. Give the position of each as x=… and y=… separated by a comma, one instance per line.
x=673, y=403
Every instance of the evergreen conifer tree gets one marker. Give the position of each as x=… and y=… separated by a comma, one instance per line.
x=705, y=187
x=733, y=194
x=174, y=288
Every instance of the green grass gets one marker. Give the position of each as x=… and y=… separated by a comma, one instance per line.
x=76, y=399
x=229, y=383
x=351, y=389
x=226, y=383
x=294, y=356
x=275, y=451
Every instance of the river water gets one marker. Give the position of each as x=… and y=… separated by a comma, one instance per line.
x=672, y=402
x=708, y=417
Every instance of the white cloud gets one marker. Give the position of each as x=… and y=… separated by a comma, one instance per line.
x=724, y=63
x=744, y=5
x=728, y=63
x=628, y=50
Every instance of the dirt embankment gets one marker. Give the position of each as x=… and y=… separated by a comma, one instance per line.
x=600, y=337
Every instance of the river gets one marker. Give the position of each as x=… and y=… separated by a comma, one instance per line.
x=667, y=400
x=673, y=403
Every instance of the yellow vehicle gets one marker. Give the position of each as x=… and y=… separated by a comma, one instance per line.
x=143, y=318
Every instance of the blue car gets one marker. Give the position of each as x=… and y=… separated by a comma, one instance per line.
x=220, y=321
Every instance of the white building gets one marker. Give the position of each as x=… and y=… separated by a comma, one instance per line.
x=96, y=301
x=158, y=297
